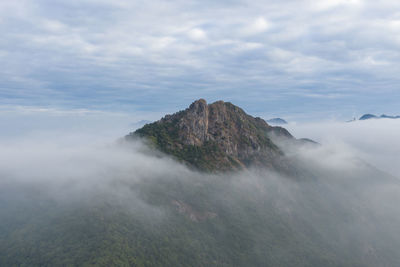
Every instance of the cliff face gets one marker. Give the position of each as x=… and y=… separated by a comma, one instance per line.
x=217, y=136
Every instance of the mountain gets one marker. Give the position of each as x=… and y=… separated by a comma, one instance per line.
x=367, y=117
x=383, y=116
x=239, y=192
x=277, y=121
x=215, y=137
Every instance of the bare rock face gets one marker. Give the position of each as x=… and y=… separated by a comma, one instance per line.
x=217, y=136
x=194, y=126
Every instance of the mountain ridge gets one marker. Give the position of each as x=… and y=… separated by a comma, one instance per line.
x=216, y=137
x=372, y=116
x=276, y=121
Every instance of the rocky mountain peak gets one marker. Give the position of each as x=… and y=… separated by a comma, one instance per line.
x=217, y=136
x=198, y=104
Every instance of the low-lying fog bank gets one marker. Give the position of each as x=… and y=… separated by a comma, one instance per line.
x=338, y=211
x=375, y=141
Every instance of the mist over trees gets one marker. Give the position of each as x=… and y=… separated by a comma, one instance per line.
x=124, y=204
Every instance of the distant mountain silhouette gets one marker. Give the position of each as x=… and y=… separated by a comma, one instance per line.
x=367, y=117
x=372, y=116
x=277, y=121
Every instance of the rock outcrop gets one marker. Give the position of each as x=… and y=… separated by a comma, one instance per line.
x=215, y=137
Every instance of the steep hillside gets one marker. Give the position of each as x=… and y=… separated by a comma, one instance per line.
x=217, y=136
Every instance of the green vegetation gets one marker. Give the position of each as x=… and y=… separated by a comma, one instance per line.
x=165, y=137
x=143, y=228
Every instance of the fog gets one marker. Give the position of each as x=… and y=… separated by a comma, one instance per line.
x=66, y=166
x=375, y=141
x=337, y=196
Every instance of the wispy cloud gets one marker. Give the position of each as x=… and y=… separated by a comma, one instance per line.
x=110, y=54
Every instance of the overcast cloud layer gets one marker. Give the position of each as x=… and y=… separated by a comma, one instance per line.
x=339, y=58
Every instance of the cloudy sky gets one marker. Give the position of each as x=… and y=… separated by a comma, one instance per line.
x=295, y=59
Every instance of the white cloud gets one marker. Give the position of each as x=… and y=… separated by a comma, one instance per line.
x=375, y=141
x=161, y=43
x=246, y=46
x=270, y=47
x=53, y=26
x=197, y=34
x=329, y=4
x=259, y=25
